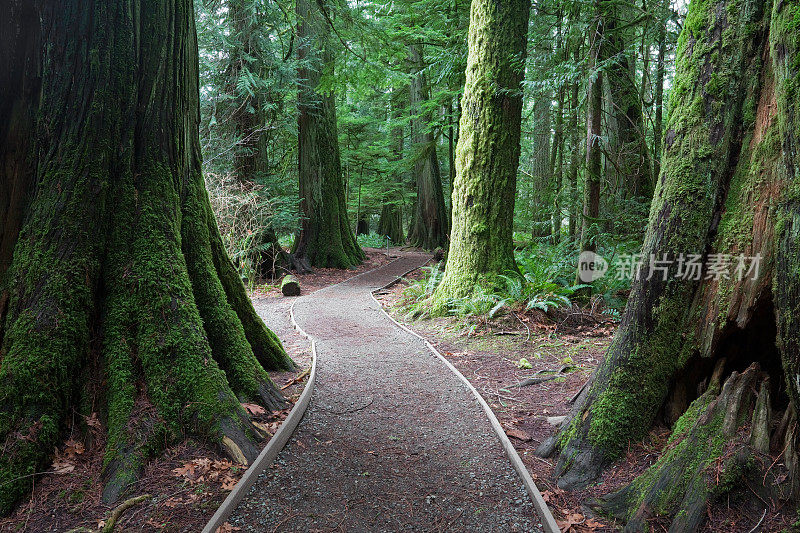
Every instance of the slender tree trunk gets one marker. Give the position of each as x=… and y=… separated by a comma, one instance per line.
x=574, y=156
x=727, y=193
x=557, y=164
x=430, y=224
x=390, y=223
x=658, y=98
x=541, y=169
x=594, y=153
x=557, y=156
x=118, y=274
x=488, y=150
x=250, y=156
x=541, y=147
x=326, y=238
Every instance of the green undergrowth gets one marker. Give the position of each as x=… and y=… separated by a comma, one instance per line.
x=373, y=240
x=544, y=283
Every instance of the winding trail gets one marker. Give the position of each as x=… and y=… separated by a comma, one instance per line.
x=392, y=440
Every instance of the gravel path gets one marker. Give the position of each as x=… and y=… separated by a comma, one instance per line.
x=392, y=440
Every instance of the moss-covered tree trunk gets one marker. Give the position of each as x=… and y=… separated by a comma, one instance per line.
x=326, y=238
x=114, y=269
x=429, y=222
x=250, y=155
x=689, y=339
x=487, y=155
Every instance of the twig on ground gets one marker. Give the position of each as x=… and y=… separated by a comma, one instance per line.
x=121, y=508
x=298, y=379
x=759, y=522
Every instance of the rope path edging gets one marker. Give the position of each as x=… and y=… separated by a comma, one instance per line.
x=548, y=521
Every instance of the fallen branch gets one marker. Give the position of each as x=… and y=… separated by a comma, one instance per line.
x=298, y=379
x=121, y=508
x=537, y=380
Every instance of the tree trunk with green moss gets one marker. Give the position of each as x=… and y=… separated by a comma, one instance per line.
x=488, y=150
x=429, y=223
x=117, y=294
x=326, y=238
x=709, y=354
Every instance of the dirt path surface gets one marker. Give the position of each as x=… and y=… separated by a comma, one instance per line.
x=392, y=440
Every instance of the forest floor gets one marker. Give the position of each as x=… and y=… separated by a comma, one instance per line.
x=565, y=347
x=391, y=441
x=188, y=481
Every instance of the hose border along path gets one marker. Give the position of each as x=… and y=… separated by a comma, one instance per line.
x=548, y=521
x=281, y=437
x=275, y=444
x=285, y=431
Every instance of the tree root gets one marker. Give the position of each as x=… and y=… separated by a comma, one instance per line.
x=717, y=446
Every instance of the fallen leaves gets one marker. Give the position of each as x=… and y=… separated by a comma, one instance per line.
x=254, y=409
x=64, y=460
x=204, y=470
x=577, y=523
x=227, y=528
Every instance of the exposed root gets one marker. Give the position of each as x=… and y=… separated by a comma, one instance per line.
x=719, y=445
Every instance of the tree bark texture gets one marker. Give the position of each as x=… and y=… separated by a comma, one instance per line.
x=487, y=155
x=114, y=271
x=326, y=238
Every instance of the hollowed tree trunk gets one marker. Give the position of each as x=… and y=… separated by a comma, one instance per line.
x=728, y=186
x=113, y=270
x=488, y=150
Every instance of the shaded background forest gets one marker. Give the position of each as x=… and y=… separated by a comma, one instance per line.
x=397, y=73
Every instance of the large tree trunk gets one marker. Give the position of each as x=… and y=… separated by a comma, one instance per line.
x=727, y=190
x=250, y=156
x=429, y=223
x=326, y=238
x=118, y=274
x=488, y=150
